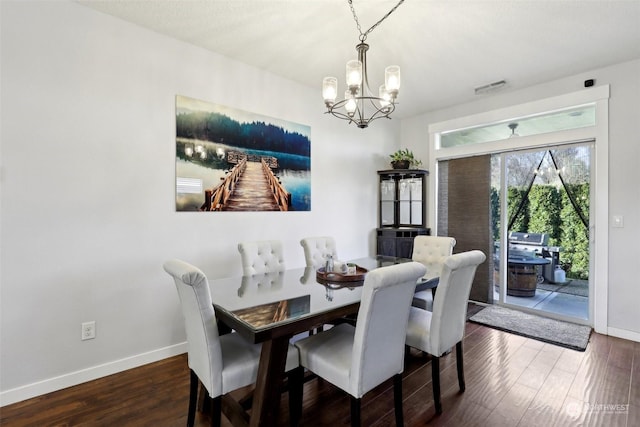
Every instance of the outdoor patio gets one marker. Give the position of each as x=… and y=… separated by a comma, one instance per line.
x=568, y=299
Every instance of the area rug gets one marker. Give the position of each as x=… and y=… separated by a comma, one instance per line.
x=565, y=334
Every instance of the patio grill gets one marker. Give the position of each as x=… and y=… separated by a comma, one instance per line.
x=531, y=245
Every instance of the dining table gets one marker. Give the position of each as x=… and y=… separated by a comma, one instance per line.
x=272, y=308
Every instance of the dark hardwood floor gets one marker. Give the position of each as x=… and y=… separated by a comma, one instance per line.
x=511, y=381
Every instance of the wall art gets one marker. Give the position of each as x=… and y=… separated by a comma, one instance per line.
x=233, y=160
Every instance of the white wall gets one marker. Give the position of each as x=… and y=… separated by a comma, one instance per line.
x=87, y=210
x=624, y=173
x=87, y=189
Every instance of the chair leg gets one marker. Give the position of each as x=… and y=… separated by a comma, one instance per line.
x=460, y=363
x=435, y=379
x=355, y=412
x=397, y=399
x=216, y=411
x=193, y=398
x=296, y=382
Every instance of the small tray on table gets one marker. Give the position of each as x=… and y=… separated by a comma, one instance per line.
x=338, y=280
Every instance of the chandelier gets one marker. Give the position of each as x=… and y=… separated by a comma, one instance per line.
x=360, y=105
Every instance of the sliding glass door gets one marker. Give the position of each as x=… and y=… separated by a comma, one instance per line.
x=540, y=218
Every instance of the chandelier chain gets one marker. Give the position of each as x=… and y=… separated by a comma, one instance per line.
x=363, y=36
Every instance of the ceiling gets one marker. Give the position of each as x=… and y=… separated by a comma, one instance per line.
x=444, y=48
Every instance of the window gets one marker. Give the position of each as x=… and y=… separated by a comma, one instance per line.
x=572, y=118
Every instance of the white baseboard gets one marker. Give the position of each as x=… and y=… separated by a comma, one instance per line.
x=623, y=333
x=29, y=391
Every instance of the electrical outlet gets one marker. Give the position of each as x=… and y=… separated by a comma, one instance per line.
x=88, y=330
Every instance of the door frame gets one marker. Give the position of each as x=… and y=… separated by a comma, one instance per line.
x=599, y=206
x=504, y=232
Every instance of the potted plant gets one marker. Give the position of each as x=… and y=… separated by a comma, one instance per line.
x=404, y=159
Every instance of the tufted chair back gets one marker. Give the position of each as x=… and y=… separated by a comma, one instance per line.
x=430, y=251
x=261, y=257
x=316, y=250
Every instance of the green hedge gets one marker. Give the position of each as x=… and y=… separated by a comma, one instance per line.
x=549, y=210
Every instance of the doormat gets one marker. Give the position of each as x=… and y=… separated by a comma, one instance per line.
x=564, y=334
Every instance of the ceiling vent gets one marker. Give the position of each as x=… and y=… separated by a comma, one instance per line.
x=491, y=87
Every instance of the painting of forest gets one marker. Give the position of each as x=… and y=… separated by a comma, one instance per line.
x=233, y=160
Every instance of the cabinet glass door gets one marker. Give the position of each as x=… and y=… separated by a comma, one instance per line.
x=387, y=201
x=410, y=200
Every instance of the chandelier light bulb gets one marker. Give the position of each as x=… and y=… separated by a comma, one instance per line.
x=329, y=90
x=351, y=104
x=392, y=79
x=354, y=75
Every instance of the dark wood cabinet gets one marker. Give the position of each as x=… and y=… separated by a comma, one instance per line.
x=402, y=210
x=398, y=242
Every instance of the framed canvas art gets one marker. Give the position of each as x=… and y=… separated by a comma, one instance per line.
x=233, y=160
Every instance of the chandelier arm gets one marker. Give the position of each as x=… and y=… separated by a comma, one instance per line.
x=358, y=116
x=381, y=111
x=363, y=36
x=362, y=57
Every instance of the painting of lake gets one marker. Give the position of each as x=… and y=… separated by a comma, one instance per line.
x=233, y=160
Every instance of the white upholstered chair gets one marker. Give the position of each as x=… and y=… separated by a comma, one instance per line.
x=221, y=363
x=357, y=359
x=435, y=332
x=263, y=256
x=316, y=250
x=430, y=251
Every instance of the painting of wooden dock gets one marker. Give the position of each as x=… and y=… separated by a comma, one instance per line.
x=233, y=160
